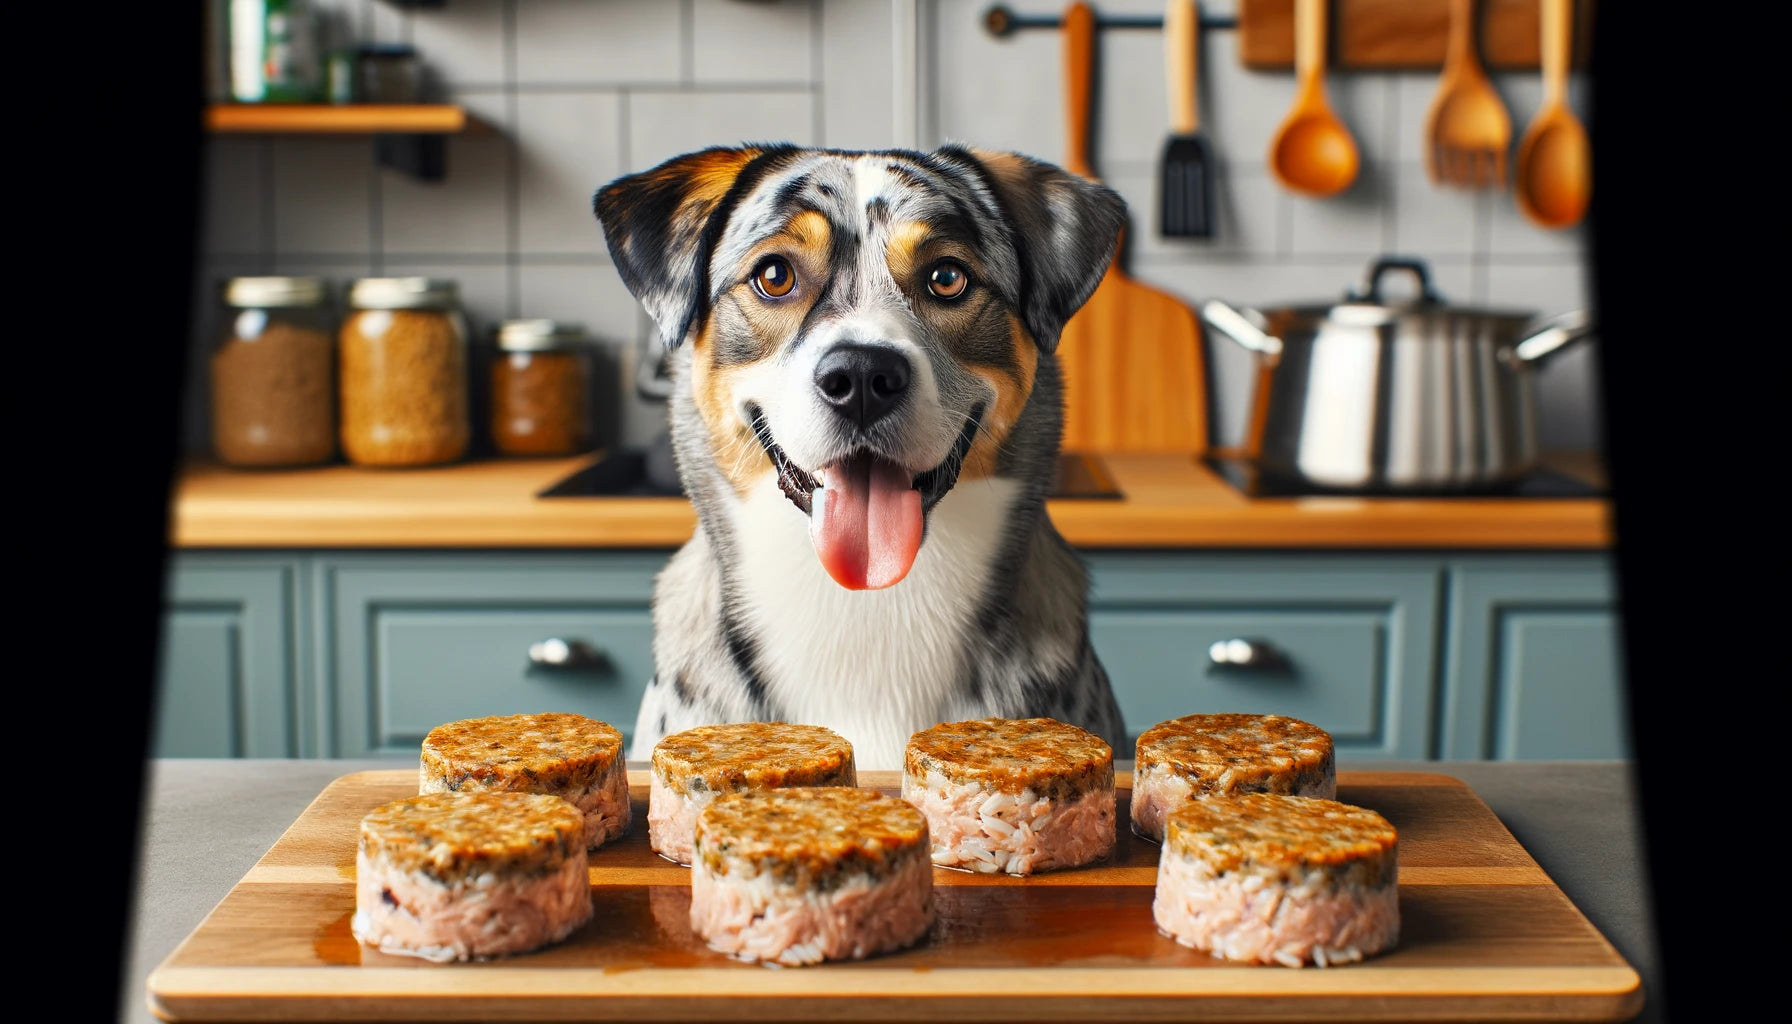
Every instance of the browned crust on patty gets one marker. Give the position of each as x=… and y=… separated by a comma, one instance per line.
x=809, y=835
x=545, y=753
x=753, y=755
x=1236, y=753
x=453, y=836
x=1272, y=832
x=1010, y=755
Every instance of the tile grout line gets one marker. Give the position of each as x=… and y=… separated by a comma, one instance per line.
x=513, y=272
x=817, y=57
x=687, y=41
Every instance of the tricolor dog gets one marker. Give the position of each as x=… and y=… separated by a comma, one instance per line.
x=866, y=413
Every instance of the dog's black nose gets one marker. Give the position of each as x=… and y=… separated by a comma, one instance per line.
x=862, y=382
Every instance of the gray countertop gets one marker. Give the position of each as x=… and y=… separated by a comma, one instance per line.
x=206, y=823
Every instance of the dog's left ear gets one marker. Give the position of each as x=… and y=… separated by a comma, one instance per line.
x=662, y=224
x=1066, y=230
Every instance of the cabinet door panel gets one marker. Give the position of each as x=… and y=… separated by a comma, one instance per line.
x=228, y=678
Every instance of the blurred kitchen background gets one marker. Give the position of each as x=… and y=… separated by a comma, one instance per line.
x=307, y=620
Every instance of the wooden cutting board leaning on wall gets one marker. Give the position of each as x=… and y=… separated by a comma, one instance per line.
x=1135, y=375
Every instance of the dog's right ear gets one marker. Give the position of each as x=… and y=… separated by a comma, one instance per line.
x=662, y=224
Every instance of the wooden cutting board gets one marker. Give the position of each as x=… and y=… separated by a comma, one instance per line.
x=1134, y=374
x=1484, y=934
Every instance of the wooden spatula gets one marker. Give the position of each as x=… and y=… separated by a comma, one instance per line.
x=1185, y=195
x=1134, y=376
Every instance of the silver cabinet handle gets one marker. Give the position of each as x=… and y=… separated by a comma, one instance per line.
x=557, y=653
x=1239, y=652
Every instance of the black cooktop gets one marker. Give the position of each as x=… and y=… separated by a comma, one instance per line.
x=625, y=473
x=1543, y=482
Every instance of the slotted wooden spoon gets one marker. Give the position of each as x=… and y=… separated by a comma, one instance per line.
x=1467, y=129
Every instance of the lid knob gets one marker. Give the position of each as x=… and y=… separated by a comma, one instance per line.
x=1371, y=289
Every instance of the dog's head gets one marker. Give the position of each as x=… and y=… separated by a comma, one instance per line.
x=866, y=325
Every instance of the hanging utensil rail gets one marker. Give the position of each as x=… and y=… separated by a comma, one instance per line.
x=1000, y=20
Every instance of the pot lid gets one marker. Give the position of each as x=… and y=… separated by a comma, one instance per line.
x=1368, y=305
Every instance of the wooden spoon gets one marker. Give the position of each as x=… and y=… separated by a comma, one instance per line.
x=1313, y=151
x=1555, y=161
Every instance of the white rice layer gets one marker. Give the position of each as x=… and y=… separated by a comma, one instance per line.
x=748, y=913
x=1270, y=919
x=411, y=914
x=973, y=828
x=672, y=818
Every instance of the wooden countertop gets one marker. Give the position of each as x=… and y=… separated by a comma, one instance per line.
x=1170, y=501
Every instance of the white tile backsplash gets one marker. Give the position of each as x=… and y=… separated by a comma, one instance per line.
x=235, y=193
x=735, y=42
x=586, y=90
x=461, y=43
x=598, y=42
x=857, y=85
x=323, y=190
x=662, y=125
x=568, y=147
x=465, y=212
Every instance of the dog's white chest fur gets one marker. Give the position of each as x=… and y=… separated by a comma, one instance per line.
x=873, y=665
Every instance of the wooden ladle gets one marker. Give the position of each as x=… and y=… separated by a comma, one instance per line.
x=1555, y=162
x=1313, y=151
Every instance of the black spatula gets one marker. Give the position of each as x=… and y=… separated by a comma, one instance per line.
x=1186, y=189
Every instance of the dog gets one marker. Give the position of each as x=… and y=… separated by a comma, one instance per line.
x=866, y=413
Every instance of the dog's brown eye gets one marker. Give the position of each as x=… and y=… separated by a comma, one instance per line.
x=774, y=278
x=948, y=279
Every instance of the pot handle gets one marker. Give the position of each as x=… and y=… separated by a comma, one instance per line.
x=1371, y=289
x=1553, y=335
x=1241, y=326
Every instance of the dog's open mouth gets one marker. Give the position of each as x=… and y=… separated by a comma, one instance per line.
x=866, y=512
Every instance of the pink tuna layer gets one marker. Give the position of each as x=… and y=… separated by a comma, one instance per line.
x=755, y=918
x=411, y=914
x=975, y=829
x=1157, y=793
x=672, y=819
x=1249, y=918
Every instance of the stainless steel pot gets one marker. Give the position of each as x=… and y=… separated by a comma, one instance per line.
x=1369, y=395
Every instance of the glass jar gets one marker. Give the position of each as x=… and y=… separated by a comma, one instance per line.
x=390, y=73
x=403, y=351
x=273, y=374
x=541, y=386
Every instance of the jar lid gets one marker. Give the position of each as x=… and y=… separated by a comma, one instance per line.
x=538, y=335
x=402, y=293
x=273, y=292
x=395, y=50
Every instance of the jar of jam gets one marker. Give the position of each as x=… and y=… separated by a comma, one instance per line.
x=541, y=389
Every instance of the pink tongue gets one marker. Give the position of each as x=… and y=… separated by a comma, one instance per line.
x=866, y=523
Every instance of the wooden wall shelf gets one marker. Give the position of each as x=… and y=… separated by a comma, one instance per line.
x=1392, y=35
x=410, y=138
x=341, y=119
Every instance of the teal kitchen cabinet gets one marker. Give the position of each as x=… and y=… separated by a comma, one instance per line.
x=232, y=660
x=411, y=641
x=1345, y=642
x=1533, y=669
x=1408, y=655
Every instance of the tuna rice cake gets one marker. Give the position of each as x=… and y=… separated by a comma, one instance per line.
x=1274, y=879
x=471, y=875
x=1199, y=756
x=690, y=768
x=806, y=874
x=569, y=756
x=1013, y=795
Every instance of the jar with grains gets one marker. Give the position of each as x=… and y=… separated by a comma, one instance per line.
x=541, y=385
x=273, y=374
x=404, y=373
